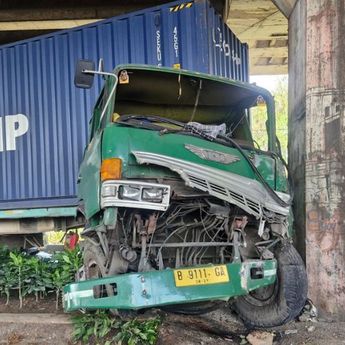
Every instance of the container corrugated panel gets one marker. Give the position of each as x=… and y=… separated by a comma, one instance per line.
x=44, y=118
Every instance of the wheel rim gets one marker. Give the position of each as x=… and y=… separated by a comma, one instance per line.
x=94, y=272
x=263, y=296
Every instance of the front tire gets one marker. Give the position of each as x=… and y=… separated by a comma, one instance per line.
x=94, y=264
x=278, y=303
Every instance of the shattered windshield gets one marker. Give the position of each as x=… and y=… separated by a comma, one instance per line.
x=174, y=102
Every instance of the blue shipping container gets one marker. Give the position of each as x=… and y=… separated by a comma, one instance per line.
x=44, y=118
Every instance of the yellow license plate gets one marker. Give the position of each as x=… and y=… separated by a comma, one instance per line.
x=201, y=276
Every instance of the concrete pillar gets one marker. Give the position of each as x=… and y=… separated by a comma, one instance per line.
x=297, y=111
x=322, y=37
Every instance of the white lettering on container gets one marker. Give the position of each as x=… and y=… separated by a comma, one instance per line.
x=15, y=126
x=176, y=43
x=159, y=50
x=223, y=46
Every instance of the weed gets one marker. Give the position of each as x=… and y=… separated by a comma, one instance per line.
x=105, y=329
x=138, y=332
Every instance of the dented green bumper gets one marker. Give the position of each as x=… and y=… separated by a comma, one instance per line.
x=158, y=288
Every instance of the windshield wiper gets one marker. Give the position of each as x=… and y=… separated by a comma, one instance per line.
x=147, y=122
x=150, y=118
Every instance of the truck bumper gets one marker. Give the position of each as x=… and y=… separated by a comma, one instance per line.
x=158, y=288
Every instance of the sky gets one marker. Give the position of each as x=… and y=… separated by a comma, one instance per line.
x=269, y=82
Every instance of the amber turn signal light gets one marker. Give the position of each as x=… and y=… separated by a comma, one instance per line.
x=111, y=169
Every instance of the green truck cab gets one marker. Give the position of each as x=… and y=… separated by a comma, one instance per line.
x=182, y=209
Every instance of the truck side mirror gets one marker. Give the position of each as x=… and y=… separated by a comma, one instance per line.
x=84, y=74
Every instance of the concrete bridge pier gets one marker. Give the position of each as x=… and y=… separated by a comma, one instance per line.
x=317, y=146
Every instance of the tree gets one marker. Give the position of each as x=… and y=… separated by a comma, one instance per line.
x=259, y=117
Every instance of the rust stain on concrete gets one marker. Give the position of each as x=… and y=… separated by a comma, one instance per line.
x=325, y=158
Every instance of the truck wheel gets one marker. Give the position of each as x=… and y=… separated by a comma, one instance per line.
x=94, y=263
x=280, y=302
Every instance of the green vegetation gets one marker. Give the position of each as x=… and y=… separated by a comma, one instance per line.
x=104, y=329
x=259, y=117
x=28, y=275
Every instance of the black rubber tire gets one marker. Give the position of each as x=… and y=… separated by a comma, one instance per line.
x=288, y=298
x=94, y=254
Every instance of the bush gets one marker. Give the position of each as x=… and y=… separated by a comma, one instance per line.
x=102, y=328
x=31, y=276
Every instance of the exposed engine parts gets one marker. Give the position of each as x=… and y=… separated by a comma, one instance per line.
x=190, y=232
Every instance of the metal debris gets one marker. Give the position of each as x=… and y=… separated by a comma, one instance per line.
x=309, y=312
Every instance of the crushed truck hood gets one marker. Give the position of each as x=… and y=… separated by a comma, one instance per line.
x=244, y=192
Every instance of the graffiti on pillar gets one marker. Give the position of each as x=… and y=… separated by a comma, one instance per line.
x=323, y=229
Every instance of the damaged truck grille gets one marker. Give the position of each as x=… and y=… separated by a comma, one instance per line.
x=243, y=192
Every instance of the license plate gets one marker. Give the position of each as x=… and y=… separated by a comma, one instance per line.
x=201, y=276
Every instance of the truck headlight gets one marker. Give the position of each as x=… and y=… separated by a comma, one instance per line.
x=129, y=192
x=108, y=191
x=153, y=194
x=135, y=194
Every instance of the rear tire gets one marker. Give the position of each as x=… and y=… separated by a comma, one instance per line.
x=279, y=303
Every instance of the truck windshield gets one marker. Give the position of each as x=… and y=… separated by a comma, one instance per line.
x=183, y=102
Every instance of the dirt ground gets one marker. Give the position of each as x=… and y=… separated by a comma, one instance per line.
x=215, y=328
x=34, y=334
x=45, y=305
x=222, y=327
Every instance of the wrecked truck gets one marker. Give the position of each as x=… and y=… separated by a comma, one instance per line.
x=183, y=210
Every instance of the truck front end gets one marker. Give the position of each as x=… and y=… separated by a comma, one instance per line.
x=183, y=210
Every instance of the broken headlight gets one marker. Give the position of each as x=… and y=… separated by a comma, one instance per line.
x=153, y=194
x=136, y=194
x=129, y=193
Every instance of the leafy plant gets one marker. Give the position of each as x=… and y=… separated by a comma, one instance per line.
x=5, y=282
x=67, y=265
x=105, y=329
x=32, y=276
x=34, y=282
x=97, y=325
x=138, y=332
x=17, y=264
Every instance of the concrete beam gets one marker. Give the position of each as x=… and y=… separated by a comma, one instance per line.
x=285, y=6
x=275, y=52
x=264, y=27
x=44, y=24
x=268, y=69
x=67, y=13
